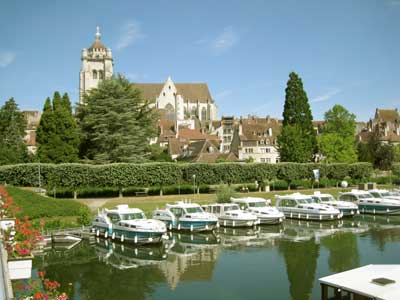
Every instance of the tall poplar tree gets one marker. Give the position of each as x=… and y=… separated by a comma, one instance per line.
x=57, y=134
x=12, y=132
x=116, y=123
x=297, y=141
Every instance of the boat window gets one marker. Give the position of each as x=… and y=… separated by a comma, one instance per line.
x=257, y=204
x=316, y=200
x=327, y=198
x=114, y=218
x=375, y=194
x=195, y=209
x=365, y=196
x=385, y=194
x=216, y=209
x=231, y=207
x=176, y=211
x=304, y=201
x=132, y=216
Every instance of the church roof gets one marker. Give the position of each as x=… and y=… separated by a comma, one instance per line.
x=97, y=45
x=189, y=91
x=387, y=115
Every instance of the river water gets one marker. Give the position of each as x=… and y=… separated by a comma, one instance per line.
x=269, y=262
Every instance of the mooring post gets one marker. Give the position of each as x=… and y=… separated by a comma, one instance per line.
x=324, y=292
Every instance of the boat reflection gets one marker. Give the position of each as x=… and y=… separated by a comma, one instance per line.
x=122, y=256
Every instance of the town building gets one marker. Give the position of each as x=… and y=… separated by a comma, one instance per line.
x=32, y=118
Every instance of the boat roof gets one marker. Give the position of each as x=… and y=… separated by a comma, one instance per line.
x=356, y=192
x=293, y=196
x=360, y=281
x=124, y=208
x=182, y=204
x=378, y=191
x=248, y=200
x=318, y=193
x=220, y=204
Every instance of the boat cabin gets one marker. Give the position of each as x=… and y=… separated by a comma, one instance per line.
x=124, y=213
x=221, y=208
x=321, y=198
x=250, y=202
x=180, y=209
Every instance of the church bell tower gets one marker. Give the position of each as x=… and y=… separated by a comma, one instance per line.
x=97, y=64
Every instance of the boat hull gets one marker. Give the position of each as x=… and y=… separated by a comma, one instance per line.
x=311, y=216
x=196, y=226
x=379, y=209
x=270, y=220
x=134, y=236
x=226, y=222
x=349, y=212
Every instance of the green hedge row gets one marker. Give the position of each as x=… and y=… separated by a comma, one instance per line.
x=165, y=174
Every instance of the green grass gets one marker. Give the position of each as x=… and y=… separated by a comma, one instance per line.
x=36, y=206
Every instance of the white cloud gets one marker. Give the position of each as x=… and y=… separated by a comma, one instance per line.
x=221, y=43
x=326, y=96
x=130, y=33
x=6, y=58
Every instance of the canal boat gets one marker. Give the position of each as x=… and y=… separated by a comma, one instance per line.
x=230, y=215
x=380, y=193
x=299, y=206
x=260, y=207
x=128, y=224
x=186, y=216
x=368, y=204
x=348, y=209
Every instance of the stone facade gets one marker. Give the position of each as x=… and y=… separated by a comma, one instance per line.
x=32, y=121
x=97, y=64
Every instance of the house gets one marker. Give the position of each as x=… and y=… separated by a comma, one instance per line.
x=32, y=118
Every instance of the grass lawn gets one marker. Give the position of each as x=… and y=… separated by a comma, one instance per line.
x=56, y=212
x=149, y=203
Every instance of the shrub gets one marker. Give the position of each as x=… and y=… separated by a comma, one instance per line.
x=326, y=182
x=225, y=193
x=301, y=184
x=122, y=175
x=85, y=217
x=279, y=185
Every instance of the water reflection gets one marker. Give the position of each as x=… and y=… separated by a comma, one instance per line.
x=87, y=271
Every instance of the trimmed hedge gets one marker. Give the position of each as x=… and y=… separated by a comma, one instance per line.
x=165, y=174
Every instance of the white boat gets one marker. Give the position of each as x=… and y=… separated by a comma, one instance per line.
x=380, y=193
x=128, y=224
x=368, y=204
x=299, y=206
x=230, y=215
x=186, y=216
x=346, y=208
x=265, y=213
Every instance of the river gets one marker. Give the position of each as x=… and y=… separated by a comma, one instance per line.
x=269, y=262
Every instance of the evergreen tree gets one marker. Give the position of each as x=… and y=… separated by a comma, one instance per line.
x=12, y=132
x=297, y=141
x=57, y=134
x=337, y=143
x=115, y=122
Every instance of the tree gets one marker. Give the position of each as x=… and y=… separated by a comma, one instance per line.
x=336, y=143
x=57, y=133
x=385, y=156
x=115, y=122
x=12, y=132
x=297, y=141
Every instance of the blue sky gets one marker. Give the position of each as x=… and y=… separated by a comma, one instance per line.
x=346, y=51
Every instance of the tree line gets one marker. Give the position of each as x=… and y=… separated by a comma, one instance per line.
x=115, y=124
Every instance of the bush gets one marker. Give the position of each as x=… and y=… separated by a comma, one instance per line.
x=122, y=175
x=326, y=183
x=279, y=185
x=396, y=169
x=301, y=184
x=225, y=193
x=85, y=217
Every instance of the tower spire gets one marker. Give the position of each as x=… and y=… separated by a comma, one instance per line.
x=98, y=35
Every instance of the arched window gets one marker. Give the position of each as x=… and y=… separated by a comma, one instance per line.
x=204, y=114
x=94, y=74
x=101, y=74
x=170, y=112
x=193, y=111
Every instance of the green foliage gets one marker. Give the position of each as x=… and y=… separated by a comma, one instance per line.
x=225, y=193
x=385, y=156
x=115, y=122
x=396, y=169
x=336, y=142
x=297, y=140
x=157, y=153
x=13, y=149
x=301, y=184
x=124, y=175
x=57, y=133
x=279, y=185
x=36, y=206
x=85, y=217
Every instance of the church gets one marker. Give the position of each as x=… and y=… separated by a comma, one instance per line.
x=182, y=102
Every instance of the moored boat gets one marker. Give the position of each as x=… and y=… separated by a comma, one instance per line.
x=260, y=207
x=230, y=215
x=128, y=224
x=186, y=216
x=348, y=209
x=299, y=206
x=368, y=204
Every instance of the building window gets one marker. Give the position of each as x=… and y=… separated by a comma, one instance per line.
x=226, y=148
x=163, y=93
x=170, y=112
x=261, y=142
x=267, y=150
x=248, y=150
x=169, y=87
x=101, y=74
x=94, y=74
x=268, y=160
x=203, y=114
x=262, y=160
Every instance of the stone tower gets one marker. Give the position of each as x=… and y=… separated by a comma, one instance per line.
x=97, y=64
